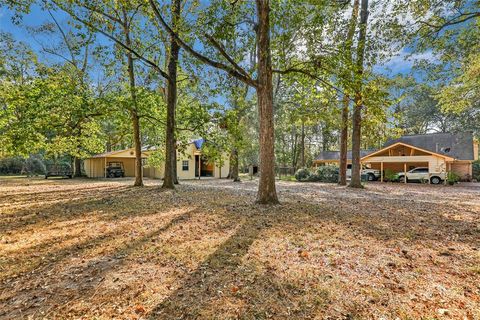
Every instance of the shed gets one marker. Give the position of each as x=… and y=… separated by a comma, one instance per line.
x=95, y=166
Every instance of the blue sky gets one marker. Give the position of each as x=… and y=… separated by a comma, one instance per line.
x=399, y=64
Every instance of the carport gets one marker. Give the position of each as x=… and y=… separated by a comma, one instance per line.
x=95, y=166
x=403, y=157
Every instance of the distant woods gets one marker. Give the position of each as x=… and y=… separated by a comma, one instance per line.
x=270, y=83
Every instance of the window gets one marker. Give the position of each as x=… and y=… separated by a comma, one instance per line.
x=421, y=170
x=349, y=166
x=185, y=165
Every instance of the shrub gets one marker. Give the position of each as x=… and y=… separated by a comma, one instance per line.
x=327, y=174
x=322, y=174
x=391, y=175
x=476, y=170
x=452, y=178
x=302, y=174
x=13, y=165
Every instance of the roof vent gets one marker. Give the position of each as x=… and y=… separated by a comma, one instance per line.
x=445, y=150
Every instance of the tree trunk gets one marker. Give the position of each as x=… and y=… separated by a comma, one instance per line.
x=266, y=188
x=234, y=166
x=78, y=167
x=134, y=110
x=344, y=143
x=138, y=149
x=346, y=100
x=357, y=111
x=294, y=147
x=302, y=146
x=175, y=173
x=170, y=150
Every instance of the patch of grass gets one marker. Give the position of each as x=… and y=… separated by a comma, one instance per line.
x=287, y=178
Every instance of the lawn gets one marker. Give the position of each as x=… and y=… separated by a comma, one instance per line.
x=102, y=249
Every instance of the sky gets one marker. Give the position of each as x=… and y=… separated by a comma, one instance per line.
x=401, y=63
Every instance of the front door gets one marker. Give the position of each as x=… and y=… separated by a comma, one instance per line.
x=197, y=166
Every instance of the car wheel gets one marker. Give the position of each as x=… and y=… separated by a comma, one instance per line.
x=111, y=175
x=435, y=180
x=402, y=179
x=370, y=177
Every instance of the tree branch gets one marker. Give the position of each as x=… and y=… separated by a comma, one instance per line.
x=224, y=53
x=65, y=39
x=111, y=37
x=453, y=21
x=328, y=84
x=232, y=71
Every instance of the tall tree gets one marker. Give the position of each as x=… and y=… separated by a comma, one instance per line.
x=263, y=84
x=358, y=104
x=101, y=9
x=75, y=49
x=170, y=153
x=126, y=22
x=346, y=99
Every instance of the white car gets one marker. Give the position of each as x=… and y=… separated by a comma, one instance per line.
x=421, y=174
x=371, y=174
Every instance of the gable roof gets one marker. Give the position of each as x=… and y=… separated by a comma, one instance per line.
x=406, y=145
x=454, y=145
x=335, y=155
x=125, y=153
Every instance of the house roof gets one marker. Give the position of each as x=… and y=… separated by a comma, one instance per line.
x=125, y=153
x=107, y=154
x=335, y=155
x=455, y=145
x=406, y=145
x=198, y=143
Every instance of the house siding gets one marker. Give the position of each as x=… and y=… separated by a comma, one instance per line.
x=463, y=169
x=95, y=167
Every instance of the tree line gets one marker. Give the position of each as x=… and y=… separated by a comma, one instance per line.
x=269, y=82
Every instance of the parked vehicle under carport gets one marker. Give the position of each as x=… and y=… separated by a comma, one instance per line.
x=421, y=174
x=115, y=170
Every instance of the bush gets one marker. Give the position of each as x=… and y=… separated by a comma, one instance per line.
x=452, y=178
x=391, y=175
x=327, y=174
x=323, y=174
x=302, y=174
x=476, y=170
x=33, y=165
x=13, y=165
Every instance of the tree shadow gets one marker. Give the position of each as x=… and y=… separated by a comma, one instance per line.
x=215, y=273
x=82, y=288
x=113, y=204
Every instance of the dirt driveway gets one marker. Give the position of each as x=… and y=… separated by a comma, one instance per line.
x=102, y=249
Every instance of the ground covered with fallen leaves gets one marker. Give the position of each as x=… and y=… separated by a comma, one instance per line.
x=86, y=249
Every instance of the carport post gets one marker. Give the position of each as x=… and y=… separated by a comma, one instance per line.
x=381, y=171
x=105, y=168
x=199, y=167
x=405, y=172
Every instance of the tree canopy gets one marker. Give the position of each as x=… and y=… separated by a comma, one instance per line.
x=268, y=82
